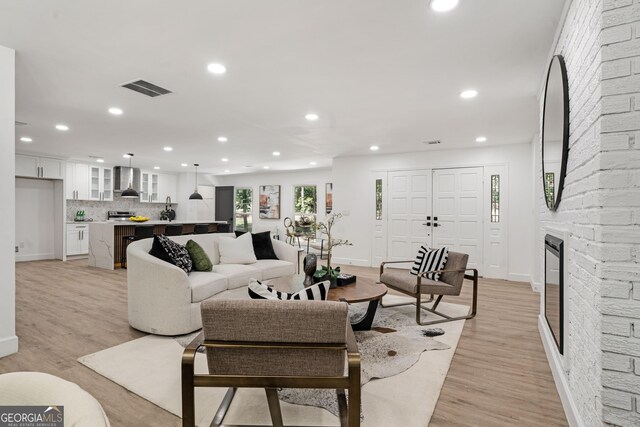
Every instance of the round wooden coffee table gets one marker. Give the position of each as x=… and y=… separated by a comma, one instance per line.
x=363, y=290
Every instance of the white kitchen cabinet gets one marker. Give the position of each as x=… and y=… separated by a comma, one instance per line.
x=77, y=239
x=149, y=187
x=77, y=182
x=100, y=183
x=39, y=167
x=167, y=187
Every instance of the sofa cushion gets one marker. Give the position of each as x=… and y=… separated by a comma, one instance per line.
x=199, y=257
x=272, y=268
x=238, y=274
x=171, y=252
x=236, y=250
x=403, y=280
x=262, y=244
x=205, y=285
x=430, y=260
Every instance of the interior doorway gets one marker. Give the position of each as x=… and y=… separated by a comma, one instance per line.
x=225, y=205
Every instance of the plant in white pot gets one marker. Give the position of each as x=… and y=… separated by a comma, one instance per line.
x=326, y=228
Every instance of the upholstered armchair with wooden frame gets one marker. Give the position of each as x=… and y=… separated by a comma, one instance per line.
x=450, y=283
x=270, y=344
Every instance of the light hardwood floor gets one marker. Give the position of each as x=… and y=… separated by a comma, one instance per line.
x=499, y=375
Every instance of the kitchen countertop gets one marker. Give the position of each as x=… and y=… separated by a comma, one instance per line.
x=150, y=222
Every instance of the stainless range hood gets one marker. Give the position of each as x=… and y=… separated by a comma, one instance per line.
x=123, y=175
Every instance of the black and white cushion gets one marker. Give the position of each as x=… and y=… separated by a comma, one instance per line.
x=319, y=291
x=171, y=252
x=430, y=260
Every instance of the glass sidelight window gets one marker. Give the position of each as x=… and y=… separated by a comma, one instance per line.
x=244, y=204
x=495, y=198
x=549, y=188
x=378, y=199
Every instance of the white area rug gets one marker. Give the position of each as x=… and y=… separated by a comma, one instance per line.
x=150, y=367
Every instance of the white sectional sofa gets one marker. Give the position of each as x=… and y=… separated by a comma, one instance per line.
x=164, y=300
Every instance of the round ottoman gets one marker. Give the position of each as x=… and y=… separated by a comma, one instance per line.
x=37, y=388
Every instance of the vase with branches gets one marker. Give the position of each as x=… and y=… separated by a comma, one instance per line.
x=326, y=228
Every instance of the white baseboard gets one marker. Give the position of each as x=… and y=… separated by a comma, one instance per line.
x=8, y=345
x=570, y=408
x=535, y=286
x=518, y=277
x=351, y=261
x=34, y=257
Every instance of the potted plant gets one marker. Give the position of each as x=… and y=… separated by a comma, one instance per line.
x=327, y=272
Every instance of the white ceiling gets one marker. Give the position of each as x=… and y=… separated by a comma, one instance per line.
x=380, y=72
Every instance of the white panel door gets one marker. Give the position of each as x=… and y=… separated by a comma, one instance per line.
x=409, y=203
x=458, y=213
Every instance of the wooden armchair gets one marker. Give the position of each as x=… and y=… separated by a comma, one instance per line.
x=450, y=283
x=270, y=344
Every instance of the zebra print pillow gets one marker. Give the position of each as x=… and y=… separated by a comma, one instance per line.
x=430, y=260
x=319, y=291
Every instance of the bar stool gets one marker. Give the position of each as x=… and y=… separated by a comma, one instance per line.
x=141, y=232
x=223, y=228
x=201, y=229
x=173, y=230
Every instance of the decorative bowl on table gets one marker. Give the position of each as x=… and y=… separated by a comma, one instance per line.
x=138, y=218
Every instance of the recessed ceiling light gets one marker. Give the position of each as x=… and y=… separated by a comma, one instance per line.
x=276, y=153
x=26, y=139
x=224, y=159
x=266, y=167
x=226, y=171
x=126, y=156
x=312, y=117
x=313, y=163
x=115, y=111
x=216, y=68
x=156, y=167
x=100, y=160
x=374, y=148
x=481, y=139
x=62, y=127
x=222, y=139
x=468, y=94
x=184, y=165
x=168, y=149
x=443, y=5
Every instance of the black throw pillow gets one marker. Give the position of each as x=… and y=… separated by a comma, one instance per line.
x=169, y=251
x=262, y=244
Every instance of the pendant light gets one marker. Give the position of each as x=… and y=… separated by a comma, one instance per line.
x=196, y=195
x=130, y=193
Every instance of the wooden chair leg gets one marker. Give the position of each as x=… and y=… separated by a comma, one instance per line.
x=343, y=410
x=274, y=407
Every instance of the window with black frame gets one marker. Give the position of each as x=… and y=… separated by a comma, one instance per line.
x=244, y=204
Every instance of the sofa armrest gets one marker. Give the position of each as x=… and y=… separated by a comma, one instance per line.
x=286, y=252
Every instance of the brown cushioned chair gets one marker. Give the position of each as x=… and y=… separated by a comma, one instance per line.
x=450, y=283
x=270, y=344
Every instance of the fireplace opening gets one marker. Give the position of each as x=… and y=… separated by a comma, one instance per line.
x=554, y=287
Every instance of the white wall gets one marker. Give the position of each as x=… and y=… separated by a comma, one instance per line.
x=35, y=222
x=600, y=211
x=353, y=192
x=8, y=339
x=286, y=180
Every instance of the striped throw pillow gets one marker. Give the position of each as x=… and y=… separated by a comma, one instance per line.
x=430, y=260
x=319, y=291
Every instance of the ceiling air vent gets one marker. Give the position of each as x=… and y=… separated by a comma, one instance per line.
x=20, y=123
x=434, y=142
x=146, y=88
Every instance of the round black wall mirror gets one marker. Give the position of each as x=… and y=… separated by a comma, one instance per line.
x=555, y=131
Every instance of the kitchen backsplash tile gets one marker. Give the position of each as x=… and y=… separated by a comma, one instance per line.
x=98, y=210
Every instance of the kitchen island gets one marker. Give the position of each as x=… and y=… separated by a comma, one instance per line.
x=105, y=238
